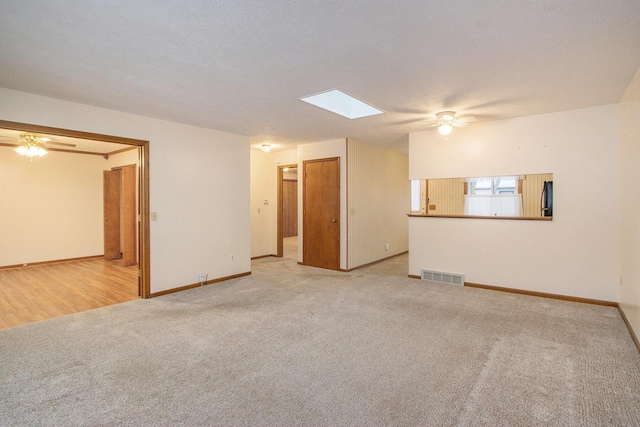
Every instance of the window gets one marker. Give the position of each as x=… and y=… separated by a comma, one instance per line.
x=491, y=185
x=493, y=196
x=415, y=195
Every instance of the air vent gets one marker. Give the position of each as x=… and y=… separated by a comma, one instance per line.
x=440, y=277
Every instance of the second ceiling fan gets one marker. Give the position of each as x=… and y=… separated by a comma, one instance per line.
x=33, y=144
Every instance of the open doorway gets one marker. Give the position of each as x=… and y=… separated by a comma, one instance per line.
x=288, y=211
x=96, y=279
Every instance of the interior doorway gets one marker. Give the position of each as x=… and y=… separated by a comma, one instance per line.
x=135, y=251
x=287, y=245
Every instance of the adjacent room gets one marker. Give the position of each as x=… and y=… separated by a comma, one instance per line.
x=71, y=242
x=319, y=213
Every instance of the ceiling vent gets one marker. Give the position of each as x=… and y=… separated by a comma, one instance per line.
x=441, y=277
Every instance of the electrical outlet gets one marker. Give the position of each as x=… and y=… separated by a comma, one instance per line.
x=231, y=257
x=386, y=246
x=202, y=277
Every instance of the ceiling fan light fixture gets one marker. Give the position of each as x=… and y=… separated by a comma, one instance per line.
x=31, y=151
x=33, y=145
x=445, y=129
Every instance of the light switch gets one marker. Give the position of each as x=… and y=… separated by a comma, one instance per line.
x=266, y=202
x=154, y=216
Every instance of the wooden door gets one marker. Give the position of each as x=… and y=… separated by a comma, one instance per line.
x=129, y=215
x=111, y=196
x=289, y=208
x=321, y=213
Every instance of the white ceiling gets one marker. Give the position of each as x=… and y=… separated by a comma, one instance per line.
x=240, y=66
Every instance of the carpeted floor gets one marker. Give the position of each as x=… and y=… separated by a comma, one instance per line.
x=292, y=345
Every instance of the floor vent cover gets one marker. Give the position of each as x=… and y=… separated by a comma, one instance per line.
x=440, y=277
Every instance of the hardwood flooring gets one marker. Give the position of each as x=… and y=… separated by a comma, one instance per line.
x=40, y=292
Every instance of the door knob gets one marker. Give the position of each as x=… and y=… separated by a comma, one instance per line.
x=333, y=220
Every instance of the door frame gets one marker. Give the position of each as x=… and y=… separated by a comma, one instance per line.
x=144, y=257
x=280, y=249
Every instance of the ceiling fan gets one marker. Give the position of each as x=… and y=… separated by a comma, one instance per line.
x=33, y=144
x=447, y=120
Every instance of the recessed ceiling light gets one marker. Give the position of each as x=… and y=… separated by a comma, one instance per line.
x=341, y=103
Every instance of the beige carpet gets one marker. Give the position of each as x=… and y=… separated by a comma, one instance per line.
x=291, y=345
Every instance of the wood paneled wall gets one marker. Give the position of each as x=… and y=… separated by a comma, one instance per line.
x=378, y=195
x=447, y=196
x=531, y=192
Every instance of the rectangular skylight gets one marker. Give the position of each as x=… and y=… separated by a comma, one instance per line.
x=341, y=103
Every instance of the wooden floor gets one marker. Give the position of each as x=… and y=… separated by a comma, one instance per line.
x=39, y=292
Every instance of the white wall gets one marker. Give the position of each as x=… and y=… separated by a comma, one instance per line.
x=378, y=202
x=129, y=157
x=199, y=185
x=576, y=254
x=630, y=203
x=51, y=207
x=324, y=150
x=264, y=185
x=263, y=217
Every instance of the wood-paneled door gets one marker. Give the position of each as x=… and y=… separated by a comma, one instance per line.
x=289, y=208
x=321, y=213
x=112, y=183
x=120, y=214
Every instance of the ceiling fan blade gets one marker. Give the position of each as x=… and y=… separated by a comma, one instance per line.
x=59, y=143
x=467, y=119
x=460, y=124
